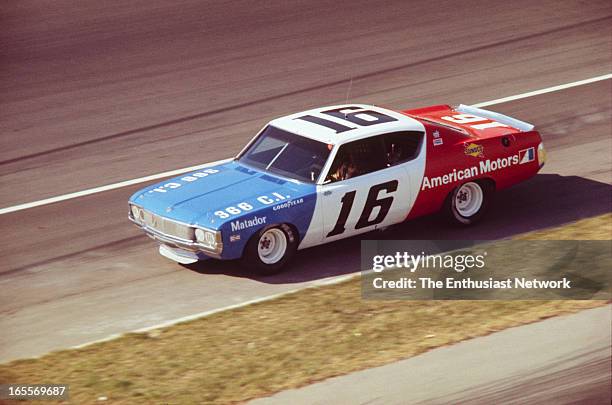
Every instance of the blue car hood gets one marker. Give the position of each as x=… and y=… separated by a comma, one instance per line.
x=194, y=198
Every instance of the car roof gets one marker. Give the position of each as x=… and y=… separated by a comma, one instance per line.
x=321, y=133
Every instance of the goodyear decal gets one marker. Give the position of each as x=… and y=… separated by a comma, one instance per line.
x=288, y=204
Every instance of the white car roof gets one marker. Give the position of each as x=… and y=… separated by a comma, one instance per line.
x=293, y=124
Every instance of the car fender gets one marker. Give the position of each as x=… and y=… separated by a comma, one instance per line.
x=236, y=231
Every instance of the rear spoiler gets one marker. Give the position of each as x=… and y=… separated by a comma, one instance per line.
x=494, y=116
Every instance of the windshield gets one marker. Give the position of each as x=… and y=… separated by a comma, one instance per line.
x=287, y=154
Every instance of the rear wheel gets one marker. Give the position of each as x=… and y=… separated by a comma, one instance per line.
x=270, y=249
x=468, y=202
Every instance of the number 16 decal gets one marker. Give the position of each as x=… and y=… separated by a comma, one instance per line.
x=356, y=115
x=372, y=202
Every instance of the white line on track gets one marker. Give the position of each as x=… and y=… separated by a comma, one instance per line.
x=543, y=91
x=108, y=187
x=176, y=172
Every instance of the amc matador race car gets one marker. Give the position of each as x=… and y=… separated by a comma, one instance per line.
x=334, y=172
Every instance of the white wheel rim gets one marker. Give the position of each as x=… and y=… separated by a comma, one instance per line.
x=468, y=199
x=272, y=245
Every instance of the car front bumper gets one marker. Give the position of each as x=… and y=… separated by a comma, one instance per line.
x=191, y=248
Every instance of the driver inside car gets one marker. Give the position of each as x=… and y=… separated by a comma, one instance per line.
x=345, y=170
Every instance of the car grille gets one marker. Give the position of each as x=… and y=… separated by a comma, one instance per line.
x=168, y=227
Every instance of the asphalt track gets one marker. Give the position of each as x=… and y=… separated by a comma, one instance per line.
x=99, y=92
x=563, y=360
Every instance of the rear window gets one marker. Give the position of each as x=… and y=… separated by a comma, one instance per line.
x=401, y=146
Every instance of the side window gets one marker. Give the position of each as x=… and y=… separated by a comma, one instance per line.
x=357, y=158
x=402, y=146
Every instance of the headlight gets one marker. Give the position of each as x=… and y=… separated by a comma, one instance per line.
x=206, y=237
x=137, y=213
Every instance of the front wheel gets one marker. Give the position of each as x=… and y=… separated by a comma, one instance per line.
x=270, y=249
x=468, y=202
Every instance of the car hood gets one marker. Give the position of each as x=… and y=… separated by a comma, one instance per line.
x=193, y=198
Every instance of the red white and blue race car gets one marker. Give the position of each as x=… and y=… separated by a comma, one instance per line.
x=334, y=172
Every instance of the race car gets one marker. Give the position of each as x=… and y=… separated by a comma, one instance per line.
x=334, y=172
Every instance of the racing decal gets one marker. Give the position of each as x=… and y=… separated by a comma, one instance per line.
x=437, y=141
x=527, y=155
x=470, y=118
x=234, y=238
x=186, y=179
x=276, y=197
x=373, y=201
x=325, y=123
x=238, y=209
x=288, y=204
x=355, y=115
x=264, y=200
x=248, y=223
x=473, y=149
x=484, y=167
x=359, y=116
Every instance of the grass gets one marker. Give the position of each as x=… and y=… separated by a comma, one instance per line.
x=595, y=228
x=288, y=342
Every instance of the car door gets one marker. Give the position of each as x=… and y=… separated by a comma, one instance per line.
x=374, y=197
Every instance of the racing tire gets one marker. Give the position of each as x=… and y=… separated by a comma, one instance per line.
x=467, y=203
x=270, y=249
